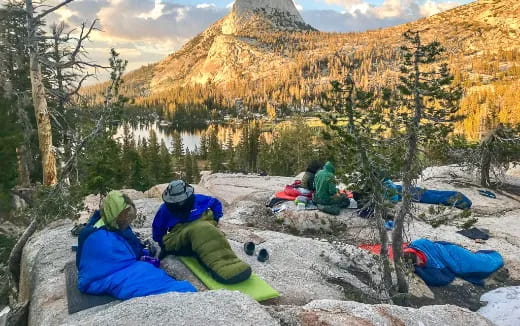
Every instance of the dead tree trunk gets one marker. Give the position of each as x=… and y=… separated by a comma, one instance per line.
x=41, y=110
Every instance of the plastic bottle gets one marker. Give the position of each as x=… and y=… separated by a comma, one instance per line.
x=148, y=259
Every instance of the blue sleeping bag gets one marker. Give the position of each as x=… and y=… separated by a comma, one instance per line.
x=447, y=261
x=108, y=265
x=438, y=197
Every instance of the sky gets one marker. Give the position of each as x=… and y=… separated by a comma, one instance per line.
x=146, y=31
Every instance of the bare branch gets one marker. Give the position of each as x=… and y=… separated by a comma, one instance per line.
x=78, y=87
x=51, y=10
x=82, y=37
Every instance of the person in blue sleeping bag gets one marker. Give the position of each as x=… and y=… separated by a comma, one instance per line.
x=438, y=263
x=109, y=253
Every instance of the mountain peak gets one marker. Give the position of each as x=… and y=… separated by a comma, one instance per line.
x=263, y=15
x=244, y=6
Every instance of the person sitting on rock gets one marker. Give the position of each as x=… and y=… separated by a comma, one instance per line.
x=308, y=177
x=438, y=263
x=109, y=253
x=327, y=197
x=186, y=225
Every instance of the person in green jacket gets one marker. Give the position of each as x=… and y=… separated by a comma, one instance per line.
x=327, y=197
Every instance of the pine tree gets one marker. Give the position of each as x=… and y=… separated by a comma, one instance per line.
x=357, y=144
x=165, y=160
x=153, y=159
x=195, y=169
x=188, y=167
x=102, y=166
x=15, y=88
x=203, y=146
x=231, y=154
x=10, y=138
x=428, y=105
x=215, y=151
x=177, y=155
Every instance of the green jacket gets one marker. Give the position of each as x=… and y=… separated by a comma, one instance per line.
x=325, y=185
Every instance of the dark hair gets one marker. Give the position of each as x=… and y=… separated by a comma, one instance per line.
x=128, y=201
x=314, y=166
x=182, y=209
x=410, y=258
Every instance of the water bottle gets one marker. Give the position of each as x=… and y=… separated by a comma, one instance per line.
x=148, y=259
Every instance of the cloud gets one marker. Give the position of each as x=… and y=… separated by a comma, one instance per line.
x=143, y=31
x=360, y=16
x=333, y=21
x=154, y=20
x=297, y=5
x=155, y=13
x=431, y=8
x=395, y=8
x=206, y=5
x=230, y=5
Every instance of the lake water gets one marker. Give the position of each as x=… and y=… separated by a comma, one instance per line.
x=190, y=139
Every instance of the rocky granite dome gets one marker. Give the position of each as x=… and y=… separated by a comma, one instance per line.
x=223, y=51
x=335, y=282
x=264, y=15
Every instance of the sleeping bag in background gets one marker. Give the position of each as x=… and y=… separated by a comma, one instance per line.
x=108, y=264
x=445, y=261
x=438, y=197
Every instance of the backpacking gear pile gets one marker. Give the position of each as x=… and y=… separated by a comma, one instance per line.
x=445, y=261
x=108, y=259
x=293, y=191
x=196, y=234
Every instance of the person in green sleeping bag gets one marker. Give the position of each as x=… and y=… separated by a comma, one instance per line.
x=186, y=225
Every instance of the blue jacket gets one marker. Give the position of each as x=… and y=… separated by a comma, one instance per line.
x=445, y=261
x=164, y=219
x=108, y=265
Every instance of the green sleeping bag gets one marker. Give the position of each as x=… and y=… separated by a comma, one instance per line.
x=202, y=238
